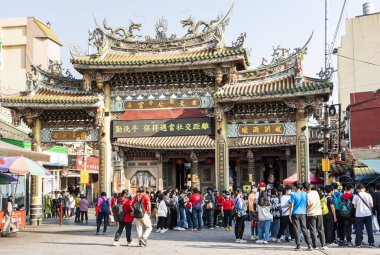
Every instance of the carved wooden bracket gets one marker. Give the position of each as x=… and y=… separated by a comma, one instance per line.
x=220, y=110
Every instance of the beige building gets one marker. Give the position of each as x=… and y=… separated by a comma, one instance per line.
x=360, y=44
x=20, y=37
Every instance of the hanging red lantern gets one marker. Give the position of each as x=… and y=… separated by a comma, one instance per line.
x=238, y=160
x=209, y=161
x=180, y=161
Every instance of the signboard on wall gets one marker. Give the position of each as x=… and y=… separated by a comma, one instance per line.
x=165, y=103
x=58, y=156
x=263, y=129
x=162, y=127
x=69, y=135
x=92, y=164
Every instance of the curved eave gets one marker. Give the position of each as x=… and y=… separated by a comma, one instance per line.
x=50, y=105
x=269, y=97
x=290, y=59
x=99, y=64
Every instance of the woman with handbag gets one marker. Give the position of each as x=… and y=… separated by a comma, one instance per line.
x=265, y=217
x=240, y=213
x=196, y=200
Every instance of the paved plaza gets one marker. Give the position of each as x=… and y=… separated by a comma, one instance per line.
x=71, y=238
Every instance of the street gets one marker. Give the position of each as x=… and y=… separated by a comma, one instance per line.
x=72, y=238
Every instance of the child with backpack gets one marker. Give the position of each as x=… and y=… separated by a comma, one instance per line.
x=330, y=218
x=103, y=212
x=347, y=212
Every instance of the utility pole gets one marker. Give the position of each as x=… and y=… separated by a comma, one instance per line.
x=326, y=119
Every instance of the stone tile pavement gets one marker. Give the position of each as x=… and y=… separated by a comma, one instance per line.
x=73, y=238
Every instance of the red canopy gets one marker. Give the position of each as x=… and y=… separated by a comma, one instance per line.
x=313, y=179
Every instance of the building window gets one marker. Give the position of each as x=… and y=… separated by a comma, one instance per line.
x=143, y=164
x=207, y=175
x=153, y=163
x=132, y=164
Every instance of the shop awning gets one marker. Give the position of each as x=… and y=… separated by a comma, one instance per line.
x=365, y=174
x=313, y=179
x=9, y=150
x=372, y=163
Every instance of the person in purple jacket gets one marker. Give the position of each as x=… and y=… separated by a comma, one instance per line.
x=83, y=206
x=103, y=205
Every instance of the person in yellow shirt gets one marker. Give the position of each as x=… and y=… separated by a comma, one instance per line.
x=77, y=208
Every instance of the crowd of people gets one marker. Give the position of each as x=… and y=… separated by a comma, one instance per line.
x=297, y=213
x=72, y=204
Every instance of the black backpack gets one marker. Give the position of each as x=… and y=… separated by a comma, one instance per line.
x=138, y=209
x=118, y=212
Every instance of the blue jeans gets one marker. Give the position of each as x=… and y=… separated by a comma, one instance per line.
x=359, y=225
x=275, y=227
x=264, y=227
x=189, y=218
x=253, y=229
x=181, y=218
x=197, y=218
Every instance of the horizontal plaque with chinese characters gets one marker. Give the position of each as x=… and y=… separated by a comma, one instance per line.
x=263, y=129
x=162, y=127
x=165, y=103
x=70, y=135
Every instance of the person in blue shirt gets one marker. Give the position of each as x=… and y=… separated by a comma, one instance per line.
x=297, y=214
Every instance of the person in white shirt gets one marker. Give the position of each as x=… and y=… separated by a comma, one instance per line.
x=72, y=205
x=284, y=221
x=363, y=204
x=162, y=212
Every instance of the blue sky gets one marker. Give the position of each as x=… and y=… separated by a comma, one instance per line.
x=267, y=23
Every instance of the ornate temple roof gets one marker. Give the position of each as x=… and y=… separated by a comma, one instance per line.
x=51, y=89
x=113, y=58
x=282, y=77
x=203, y=42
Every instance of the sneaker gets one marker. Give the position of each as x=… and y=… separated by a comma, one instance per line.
x=371, y=245
x=333, y=245
x=298, y=248
x=309, y=248
x=253, y=238
x=260, y=241
x=265, y=242
x=350, y=244
x=273, y=239
x=243, y=241
x=143, y=242
x=278, y=240
x=324, y=247
x=115, y=243
x=237, y=241
x=158, y=230
x=211, y=228
x=358, y=246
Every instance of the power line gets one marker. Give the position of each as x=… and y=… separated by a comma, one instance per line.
x=332, y=45
x=358, y=60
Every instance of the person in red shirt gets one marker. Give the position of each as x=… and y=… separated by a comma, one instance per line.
x=128, y=219
x=196, y=200
x=143, y=225
x=226, y=208
x=114, y=200
x=218, y=203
